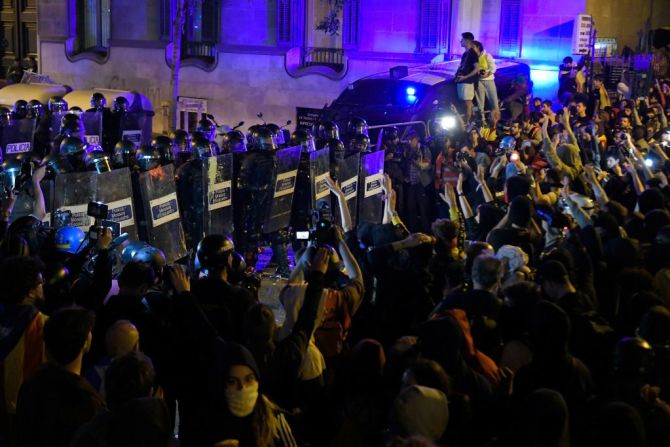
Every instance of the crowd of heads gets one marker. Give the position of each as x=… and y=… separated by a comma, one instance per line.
x=516, y=292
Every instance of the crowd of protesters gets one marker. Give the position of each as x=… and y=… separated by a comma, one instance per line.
x=517, y=293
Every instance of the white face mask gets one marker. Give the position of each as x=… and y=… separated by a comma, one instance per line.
x=241, y=403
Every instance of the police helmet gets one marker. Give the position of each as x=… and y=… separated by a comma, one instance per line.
x=76, y=110
x=35, y=109
x=165, y=146
x=71, y=146
x=182, y=140
x=21, y=109
x=507, y=143
x=336, y=147
x=124, y=154
x=263, y=139
x=328, y=130
x=98, y=101
x=97, y=160
x=357, y=126
x=201, y=148
x=120, y=104
x=206, y=128
x=303, y=139
x=234, y=141
x=213, y=251
x=69, y=240
x=57, y=104
x=148, y=158
x=360, y=143
x=633, y=358
x=129, y=251
x=277, y=132
x=153, y=256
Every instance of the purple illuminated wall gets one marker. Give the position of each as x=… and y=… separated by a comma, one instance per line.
x=547, y=31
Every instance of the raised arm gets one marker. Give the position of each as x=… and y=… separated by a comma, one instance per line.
x=465, y=205
x=346, y=221
x=39, y=210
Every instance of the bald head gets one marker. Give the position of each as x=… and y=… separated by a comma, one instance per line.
x=121, y=338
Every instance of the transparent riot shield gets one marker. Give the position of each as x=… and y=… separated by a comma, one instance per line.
x=349, y=177
x=303, y=198
x=115, y=190
x=287, y=161
x=54, y=128
x=73, y=192
x=189, y=183
x=370, y=205
x=319, y=167
x=159, y=200
x=218, y=188
x=133, y=127
x=254, y=185
x=17, y=139
x=92, y=122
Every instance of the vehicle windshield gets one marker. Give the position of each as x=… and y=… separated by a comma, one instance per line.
x=382, y=93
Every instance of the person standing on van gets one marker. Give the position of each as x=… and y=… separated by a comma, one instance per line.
x=486, y=89
x=467, y=74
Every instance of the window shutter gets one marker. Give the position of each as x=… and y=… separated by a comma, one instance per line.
x=435, y=25
x=210, y=21
x=510, y=28
x=165, y=16
x=350, y=28
x=284, y=23
x=429, y=29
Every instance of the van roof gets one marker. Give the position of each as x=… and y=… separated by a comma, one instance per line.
x=432, y=74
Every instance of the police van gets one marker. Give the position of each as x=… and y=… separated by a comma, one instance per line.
x=418, y=95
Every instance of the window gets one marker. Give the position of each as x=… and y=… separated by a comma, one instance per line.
x=510, y=28
x=350, y=17
x=92, y=29
x=435, y=26
x=201, y=32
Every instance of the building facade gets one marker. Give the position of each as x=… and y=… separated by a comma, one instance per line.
x=269, y=56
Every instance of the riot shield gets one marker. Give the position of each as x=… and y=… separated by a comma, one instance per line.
x=135, y=127
x=115, y=190
x=218, y=187
x=54, y=128
x=92, y=122
x=189, y=182
x=348, y=173
x=282, y=199
x=74, y=191
x=17, y=139
x=303, y=198
x=319, y=167
x=159, y=200
x=370, y=205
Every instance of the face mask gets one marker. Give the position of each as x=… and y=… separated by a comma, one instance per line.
x=241, y=403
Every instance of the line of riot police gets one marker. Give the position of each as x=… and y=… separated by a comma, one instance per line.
x=173, y=191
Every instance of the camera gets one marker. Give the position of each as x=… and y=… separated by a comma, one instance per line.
x=99, y=212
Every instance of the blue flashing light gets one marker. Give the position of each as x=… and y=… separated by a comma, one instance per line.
x=411, y=91
x=411, y=99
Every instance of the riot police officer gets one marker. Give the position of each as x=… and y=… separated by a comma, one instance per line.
x=20, y=109
x=57, y=105
x=98, y=160
x=73, y=150
x=255, y=173
x=35, y=109
x=327, y=130
x=207, y=129
x=98, y=103
x=304, y=139
x=123, y=155
x=165, y=147
x=121, y=105
x=336, y=154
x=301, y=210
x=188, y=177
x=148, y=158
x=278, y=133
x=6, y=117
x=234, y=141
x=182, y=142
x=357, y=126
x=359, y=144
x=393, y=162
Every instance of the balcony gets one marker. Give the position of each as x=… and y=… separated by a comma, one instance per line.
x=204, y=55
x=331, y=63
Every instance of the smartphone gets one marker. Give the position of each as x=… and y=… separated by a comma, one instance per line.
x=302, y=235
x=114, y=226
